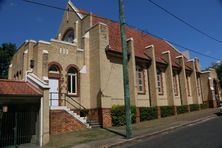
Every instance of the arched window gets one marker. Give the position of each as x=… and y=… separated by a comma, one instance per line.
x=72, y=81
x=53, y=69
x=175, y=83
x=140, y=79
x=188, y=84
x=159, y=81
x=69, y=36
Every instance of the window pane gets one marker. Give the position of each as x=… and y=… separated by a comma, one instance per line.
x=69, y=36
x=74, y=84
x=140, y=88
x=72, y=70
x=69, y=84
x=139, y=79
x=53, y=68
x=139, y=74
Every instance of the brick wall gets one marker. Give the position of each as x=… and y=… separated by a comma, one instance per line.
x=63, y=122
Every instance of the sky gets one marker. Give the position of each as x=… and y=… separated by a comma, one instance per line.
x=20, y=21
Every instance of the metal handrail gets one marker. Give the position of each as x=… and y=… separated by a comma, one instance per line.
x=75, y=101
x=81, y=108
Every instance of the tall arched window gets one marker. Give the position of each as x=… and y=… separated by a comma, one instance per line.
x=140, y=79
x=72, y=81
x=69, y=36
x=175, y=83
x=159, y=82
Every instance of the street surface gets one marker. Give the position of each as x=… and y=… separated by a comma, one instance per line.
x=207, y=134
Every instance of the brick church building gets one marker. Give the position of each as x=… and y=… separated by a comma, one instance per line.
x=81, y=69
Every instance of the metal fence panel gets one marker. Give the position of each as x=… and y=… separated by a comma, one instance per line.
x=17, y=128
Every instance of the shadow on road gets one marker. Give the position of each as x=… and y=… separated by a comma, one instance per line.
x=218, y=114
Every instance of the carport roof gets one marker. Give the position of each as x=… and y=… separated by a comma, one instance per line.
x=18, y=88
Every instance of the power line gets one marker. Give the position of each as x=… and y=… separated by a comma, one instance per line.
x=55, y=7
x=46, y=5
x=174, y=43
x=185, y=22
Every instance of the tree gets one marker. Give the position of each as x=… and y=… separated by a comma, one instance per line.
x=7, y=50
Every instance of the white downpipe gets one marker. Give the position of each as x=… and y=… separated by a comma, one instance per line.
x=41, y=123
x=27, y=72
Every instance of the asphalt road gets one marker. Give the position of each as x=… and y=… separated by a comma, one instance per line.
x=207, y=134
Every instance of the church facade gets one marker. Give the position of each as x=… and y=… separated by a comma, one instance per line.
x=83, y=68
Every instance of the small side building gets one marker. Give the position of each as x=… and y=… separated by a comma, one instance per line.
x=210, y=87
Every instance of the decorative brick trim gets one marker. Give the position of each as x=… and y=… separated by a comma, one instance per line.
x=57, y=64
x=54, y=75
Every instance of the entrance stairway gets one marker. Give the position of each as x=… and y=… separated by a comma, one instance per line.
x=83, y=120
x=88, y=123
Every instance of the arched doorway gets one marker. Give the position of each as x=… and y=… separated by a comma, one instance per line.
x=54, y=76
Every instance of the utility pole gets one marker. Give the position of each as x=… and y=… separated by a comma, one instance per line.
x=125, y=72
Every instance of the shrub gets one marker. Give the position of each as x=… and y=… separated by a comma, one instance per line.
x=167, y=111
x=182, y=109
x=119, y=117
x=148, y=113
x=204, y=106
x=194, y=107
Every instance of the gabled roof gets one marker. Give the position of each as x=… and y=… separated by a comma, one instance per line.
x=18, y=88
x=141, y=40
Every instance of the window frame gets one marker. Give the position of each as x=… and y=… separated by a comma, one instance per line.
x=67, y=34
x=76, y=76
x=140, y=70
x=188, y=86
x=198, y=86
x=72, y=75
x=175, y=83
x=159, y=81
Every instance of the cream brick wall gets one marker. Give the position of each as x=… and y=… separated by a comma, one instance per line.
x=163, y=100
x=207, y=86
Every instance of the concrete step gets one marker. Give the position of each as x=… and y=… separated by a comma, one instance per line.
x=93, y=124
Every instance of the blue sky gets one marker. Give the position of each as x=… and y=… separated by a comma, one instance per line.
x=21, y=20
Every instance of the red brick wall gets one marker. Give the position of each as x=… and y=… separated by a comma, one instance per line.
x=63, y=122
x=94, y=115
x=106, y=117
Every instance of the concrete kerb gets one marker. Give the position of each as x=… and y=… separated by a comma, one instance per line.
x=137, y=138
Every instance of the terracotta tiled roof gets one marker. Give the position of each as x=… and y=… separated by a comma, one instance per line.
x=141, y=40
x=18, y=88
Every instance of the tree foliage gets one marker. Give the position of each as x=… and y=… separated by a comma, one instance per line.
x=7, y=50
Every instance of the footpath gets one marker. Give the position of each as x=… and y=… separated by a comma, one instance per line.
x=115, y=136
